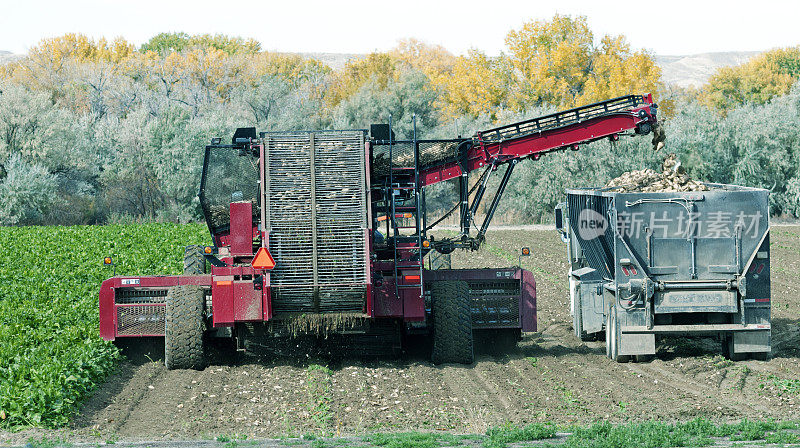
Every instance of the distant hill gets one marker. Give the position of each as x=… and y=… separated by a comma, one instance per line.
x=6, y=56
x=335, y=61
x=694, y=70
x=682, y=71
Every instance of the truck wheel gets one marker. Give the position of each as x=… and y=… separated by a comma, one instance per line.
x=194, y=262
x=452, y=323
x=183, y=342
x=727, y=348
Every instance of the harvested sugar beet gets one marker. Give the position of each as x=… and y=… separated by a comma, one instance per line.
x=671, y=178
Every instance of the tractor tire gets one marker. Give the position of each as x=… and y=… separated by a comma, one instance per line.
x=194, y=262
x=452, y=323
x=183, y=342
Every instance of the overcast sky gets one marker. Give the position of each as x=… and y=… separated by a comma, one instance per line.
x=665, y=27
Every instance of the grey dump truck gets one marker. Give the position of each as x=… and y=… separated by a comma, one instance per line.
x=643, y=265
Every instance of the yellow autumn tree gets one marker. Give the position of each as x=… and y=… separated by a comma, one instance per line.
x=82, y=49
x=292, y=68
x=548, y=63
x=616, y=71
x=765, y=76
x=432, y=60
x=50, y=66
x=381, y=67
x=550, y=60
x=474, y=87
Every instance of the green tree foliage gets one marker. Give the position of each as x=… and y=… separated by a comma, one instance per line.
x=407, y=97
x=26, y=192
x=754, y=145
x=166, y=43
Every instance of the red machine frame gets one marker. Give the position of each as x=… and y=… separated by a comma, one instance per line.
x=241, y=293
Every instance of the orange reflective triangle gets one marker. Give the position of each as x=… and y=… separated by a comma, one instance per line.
x=263, y=259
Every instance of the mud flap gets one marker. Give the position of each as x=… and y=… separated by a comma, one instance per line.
x=637, y=344
x=752, y=341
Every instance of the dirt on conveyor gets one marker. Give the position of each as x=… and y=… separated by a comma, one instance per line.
x=671, y=178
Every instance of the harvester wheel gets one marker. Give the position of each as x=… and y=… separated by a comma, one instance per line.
x=452, y=323
x=183, y=344
x=194, y=262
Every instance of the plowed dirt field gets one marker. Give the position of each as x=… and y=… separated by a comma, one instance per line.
x=550, y=377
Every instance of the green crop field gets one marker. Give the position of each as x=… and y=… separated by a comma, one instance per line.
x=51, y=356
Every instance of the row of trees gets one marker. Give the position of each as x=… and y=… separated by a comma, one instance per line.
x=92, y=131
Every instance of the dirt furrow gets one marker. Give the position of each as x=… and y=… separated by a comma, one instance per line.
x=552, y=376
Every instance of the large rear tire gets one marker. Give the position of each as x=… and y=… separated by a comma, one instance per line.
x=452, y=323
x=194, y=262
x=183, y=342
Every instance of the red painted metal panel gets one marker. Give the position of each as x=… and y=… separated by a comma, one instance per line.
x=470, y=274
x=532, y=145
x=108, y=313
x=387, y=304
x=247, y=302
x=108, y=308
x=222, y=301
x=413, y=304
x=241, y=237
x=527, y=302
x=266, y=306
x=267, y=292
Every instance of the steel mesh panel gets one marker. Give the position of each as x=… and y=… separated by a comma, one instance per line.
x=430, y=153
x=132, y=296
x=141, y=320
x=317, y=206
x=599, y=252
x=495, y=303
x=230, y=176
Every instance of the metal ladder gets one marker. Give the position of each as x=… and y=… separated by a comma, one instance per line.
x=410, y=243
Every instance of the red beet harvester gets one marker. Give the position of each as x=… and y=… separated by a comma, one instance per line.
x=328, y=231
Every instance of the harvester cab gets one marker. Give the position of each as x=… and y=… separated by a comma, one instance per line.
x=327, y=232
